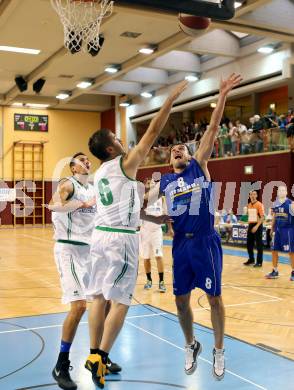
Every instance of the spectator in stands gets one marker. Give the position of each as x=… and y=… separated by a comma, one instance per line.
x=256, y=137
x=254, y=232
x=225, y=140
x=290, y=135
x=244, y=140
x=282, y=123
x=240, y=126
x=235, y=138
x=290, y=115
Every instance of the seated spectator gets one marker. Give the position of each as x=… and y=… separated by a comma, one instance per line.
x=218, y=221
x=230, y=220
x=244, y=217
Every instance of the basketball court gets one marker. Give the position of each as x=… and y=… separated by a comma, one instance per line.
x=259, y=324
x=111, y=64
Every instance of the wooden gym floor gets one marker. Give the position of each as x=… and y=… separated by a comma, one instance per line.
x=258, y=311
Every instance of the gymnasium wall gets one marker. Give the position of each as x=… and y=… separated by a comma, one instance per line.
x=277, y=166
x=242, y=108
x=68, y=133
x=279, y=96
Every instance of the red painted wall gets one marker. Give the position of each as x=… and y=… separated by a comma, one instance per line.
x=279, y=96
x=108, y=119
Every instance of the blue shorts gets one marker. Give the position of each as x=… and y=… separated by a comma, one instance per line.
x=284, y=240
x=197, y=262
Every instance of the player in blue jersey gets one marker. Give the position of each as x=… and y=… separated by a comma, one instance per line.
x=283, y=231
x=197, y=253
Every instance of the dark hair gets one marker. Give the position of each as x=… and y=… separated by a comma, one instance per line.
x=257, y=193
x=98, y=143
x=72, y=161
x=180, y=143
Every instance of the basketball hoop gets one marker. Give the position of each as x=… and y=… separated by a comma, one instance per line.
x=81, y=21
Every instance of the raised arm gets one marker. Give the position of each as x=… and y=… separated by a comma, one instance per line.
x=137, y=155
x=204, y=151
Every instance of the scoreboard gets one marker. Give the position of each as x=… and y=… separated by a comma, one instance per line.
x=26, y=122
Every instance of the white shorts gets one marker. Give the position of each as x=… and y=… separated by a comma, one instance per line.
x=151, y=243
x=74, y=266
x=115, y=258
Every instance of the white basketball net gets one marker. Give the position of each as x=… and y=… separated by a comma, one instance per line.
x=81, y=21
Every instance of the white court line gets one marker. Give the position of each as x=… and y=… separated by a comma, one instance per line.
x=60, y=325
x=239, y=304
x=253, y=292
x=205, y=360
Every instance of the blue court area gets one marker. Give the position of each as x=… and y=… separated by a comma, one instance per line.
x=150, y=349
x=237, y=251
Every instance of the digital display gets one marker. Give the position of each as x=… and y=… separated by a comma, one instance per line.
x=26, y=122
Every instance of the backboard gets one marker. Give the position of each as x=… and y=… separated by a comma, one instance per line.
x=214, y=9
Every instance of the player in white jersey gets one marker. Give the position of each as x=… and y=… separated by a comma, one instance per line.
x=151, y=242
x=115, y=241
x=73, y=208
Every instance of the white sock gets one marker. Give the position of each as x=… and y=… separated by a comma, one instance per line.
x=219, y=350
x=192, y=344
x=276, y=269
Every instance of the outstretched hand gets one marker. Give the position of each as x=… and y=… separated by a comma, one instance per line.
x=228, y=84
x=178, y=90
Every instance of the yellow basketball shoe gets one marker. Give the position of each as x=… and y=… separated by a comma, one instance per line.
x=95, y=365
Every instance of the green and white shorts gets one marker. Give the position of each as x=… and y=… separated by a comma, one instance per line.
x=115, y=258
x=74, y=265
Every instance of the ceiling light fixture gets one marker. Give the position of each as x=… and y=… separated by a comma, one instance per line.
x=113, y=68
x=191, y=78
x=212, y=105
x=22, y=50
x=266, y=49
x=126, y=103
x=149, y=49
x=146, y=95
x=85, y=84
x=63, y=95
x=37, y=105
x=17, y=104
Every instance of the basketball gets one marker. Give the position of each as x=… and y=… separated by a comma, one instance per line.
x=193, y=25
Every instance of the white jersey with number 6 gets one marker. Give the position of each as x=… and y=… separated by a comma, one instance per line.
x=118, y=203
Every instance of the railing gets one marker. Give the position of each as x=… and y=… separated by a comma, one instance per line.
x=269, y=140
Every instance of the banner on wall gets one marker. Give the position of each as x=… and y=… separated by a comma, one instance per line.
x=26, y=122
x=239, y=233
